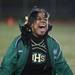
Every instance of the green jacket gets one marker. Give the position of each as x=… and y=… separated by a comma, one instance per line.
x=17, y=55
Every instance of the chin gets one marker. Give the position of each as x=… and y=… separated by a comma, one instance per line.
x=41, y=35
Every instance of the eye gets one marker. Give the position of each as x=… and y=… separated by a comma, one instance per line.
x=39, y=18
x=45, y=19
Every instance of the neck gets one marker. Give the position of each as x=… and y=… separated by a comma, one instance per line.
x=38, y=36
x=37, y=39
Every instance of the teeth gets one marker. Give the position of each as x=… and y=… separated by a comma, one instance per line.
x=43, y=26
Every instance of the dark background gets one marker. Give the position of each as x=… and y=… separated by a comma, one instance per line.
x=59, y=9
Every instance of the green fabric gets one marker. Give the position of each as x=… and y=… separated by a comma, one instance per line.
x=60, y=65
x=17, y=54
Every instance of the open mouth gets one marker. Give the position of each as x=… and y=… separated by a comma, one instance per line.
x=42, y=27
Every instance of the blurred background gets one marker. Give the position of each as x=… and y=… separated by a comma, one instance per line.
x=62, y=17
x=20, y=8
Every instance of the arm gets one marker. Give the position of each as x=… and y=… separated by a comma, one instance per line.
x=9, y=61
x=61, y=66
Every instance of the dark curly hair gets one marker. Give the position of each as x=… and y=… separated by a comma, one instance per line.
x=26, y=31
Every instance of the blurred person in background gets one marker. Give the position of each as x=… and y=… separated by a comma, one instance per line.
x=34, y=51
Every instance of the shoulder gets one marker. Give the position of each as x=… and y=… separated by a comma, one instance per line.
x=56, y=50
x=52, y=40
x=16, y=41
x=53, y=44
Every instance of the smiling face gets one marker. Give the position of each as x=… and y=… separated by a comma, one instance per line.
x=40, y=25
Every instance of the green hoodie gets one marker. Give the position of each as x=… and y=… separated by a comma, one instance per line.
x=17, y=55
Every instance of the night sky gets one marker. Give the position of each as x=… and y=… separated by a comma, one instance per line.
x=19, y=8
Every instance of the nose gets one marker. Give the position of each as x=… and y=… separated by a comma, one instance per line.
x=44, y=22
